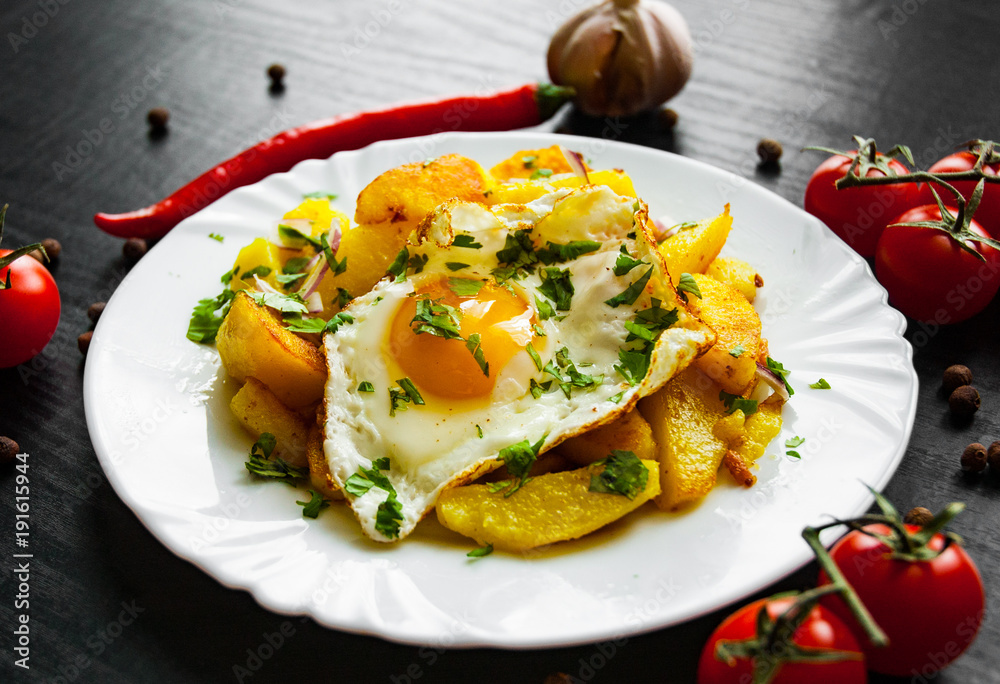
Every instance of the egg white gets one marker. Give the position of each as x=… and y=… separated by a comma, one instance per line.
x=441, y=444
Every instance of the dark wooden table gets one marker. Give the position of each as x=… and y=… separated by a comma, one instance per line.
x=108, y=603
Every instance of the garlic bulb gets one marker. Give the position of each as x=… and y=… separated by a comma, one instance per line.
x=622, y=56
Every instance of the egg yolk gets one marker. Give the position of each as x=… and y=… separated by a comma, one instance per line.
x=446, y=368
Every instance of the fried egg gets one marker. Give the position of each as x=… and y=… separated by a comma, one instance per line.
x=497, y=326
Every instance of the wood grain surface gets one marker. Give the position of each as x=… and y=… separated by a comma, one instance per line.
x=808, y=72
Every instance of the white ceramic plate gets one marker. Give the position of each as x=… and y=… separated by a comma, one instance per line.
x=157, y=411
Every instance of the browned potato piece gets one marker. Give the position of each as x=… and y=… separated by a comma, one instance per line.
x=629, y=432
x=526, y=163
x=369, y=250
x=406, y=194
x=319, y=469
x=260, y=411
x=737, y=274
x=692, y=248
x=731, y=362
x=252, y=343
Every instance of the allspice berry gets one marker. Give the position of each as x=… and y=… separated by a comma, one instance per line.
x=8, y=450
x=95, y=310
x=964, y=401
x=158, y=118
x=993, y=457
x=974, y=458
x=52, y=250
x=769, y=150
x=134, y=249
x=918, y=516
x=276, y=72
x=954, y=377
x=83, y=342
x=668, y=118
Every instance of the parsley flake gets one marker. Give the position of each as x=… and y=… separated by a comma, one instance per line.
x=398, y=266
x=534, y=356
x=519, y=458
x=479, y=431
x=625, y=262
x=465, y=287
x=737, y=351
x=434, y=318
x=556, y=253
x=540, y=173
x=687, y=284
x=285, y=303
x=623, y=474
x=474, y=345
x=455, y=265
x=557, y=286
x=339, y=319
x=782, y=373
x=467, y=241
x=311, y=508
x=343, y=296
x=319, y=194
x=388, y=516
x=261, y=464
x=481, y=551
x=208, y=314
x=217, y=237
x=292, y=237
x=632, y=292
x=735, y=402
x=792, y=443
x=336, y=267
x=366, y=386
x=820, y=384
x=297, y=324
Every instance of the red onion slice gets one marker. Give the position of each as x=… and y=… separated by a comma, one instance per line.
x=314, y=303
x=773, y=380
x=263, y=285
x=576, y=162
x=662, y=231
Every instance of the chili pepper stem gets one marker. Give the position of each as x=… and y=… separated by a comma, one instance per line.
x=847, y=593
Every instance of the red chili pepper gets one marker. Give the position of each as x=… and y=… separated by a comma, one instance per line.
x=516, y=108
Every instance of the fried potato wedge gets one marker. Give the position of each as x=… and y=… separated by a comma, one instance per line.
x=737, y=274
x=547, y=509
x=259, y=411
x=758, y=431
x=731, y=361
x=630, y=432
x=694, y=246
x=682, y=415
x=528, y=163
x=253, y=344
x=524, y=191
x=260, y=256
x=320, y=477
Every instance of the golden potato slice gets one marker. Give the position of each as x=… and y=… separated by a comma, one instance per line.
x=522, y=192
x=527, y=163
x=369, y=250
x=758, y=431
x=629, y=432
x=406, y=194
x=731, y=361
x=737, y=274
x=320, y=214
x=616, y=179
x=259, y=411
x=693, y=247
x=252, y=343
x=259, y=255
x=547, y=509
x=682, y=416
x=320, y=477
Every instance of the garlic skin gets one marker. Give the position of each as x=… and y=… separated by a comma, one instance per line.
x=622, y=56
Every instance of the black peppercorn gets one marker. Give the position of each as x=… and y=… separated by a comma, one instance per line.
x=134, y=249
x=974, y=458
x=83, y=342
x=157, y=118
x=769, y=150
x=52, y=250
x=668, y=118
x=964, y=401
x=954, y=377
x=8, y=450
x=918, y=516
x=276, y=72
x=95, y=310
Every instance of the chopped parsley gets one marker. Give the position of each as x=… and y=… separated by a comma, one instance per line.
x=481, y=551
x=311, y=508
x=319, y=194
x=517, y=257
x=285, y=303
x=519, y=458
x=820, y=384
x=791, y=444
x=399, y=398
x=735, y=402
x=398, y=266
x=645, y=328
x=295, y=264
x=204, y=324
x=557, y=253
x=538, y=389
x=632, y=292
x=781, y=372
x=261, y=464
x=573, y=377
x=625, y=262
x=336, y=267
x=455, y=265
x=339, y=319
x=687, y=284
x=434, y=318
x=545, y=310
x=474, y=345
x=366, y=478
x=529, y=161
x=623, y=474
x=296, y=238
x=297, y=324
x=538, y=330
x=417, y=262
x=465, y=287
x=737, y=351
x=615, y=398
x=479, y=431
x=534, y=356
x=366, y=386
x=467, y=241
x=287, y=279
x=540, y=173
x=388, y=516
x=557, y=286
x=217, y=237
x=343, y=296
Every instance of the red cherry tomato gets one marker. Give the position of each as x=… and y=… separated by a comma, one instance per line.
x=988, y=213
x=929, y=276
x=930, y=610
x=820, y=630
x=857, y=215
x=29, y=310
